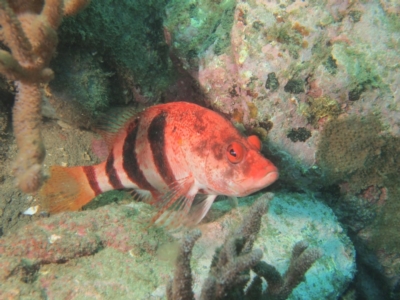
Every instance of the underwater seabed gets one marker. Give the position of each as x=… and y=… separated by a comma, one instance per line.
x=318, y=81
x=110, y=253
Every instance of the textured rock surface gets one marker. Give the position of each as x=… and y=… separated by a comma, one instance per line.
x=319, y=81
x=295, y=63
x=111, y=251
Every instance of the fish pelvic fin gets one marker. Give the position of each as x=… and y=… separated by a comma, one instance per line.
x=67, y=189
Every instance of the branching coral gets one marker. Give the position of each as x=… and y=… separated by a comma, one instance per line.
x=229, y=271
x=181, y=287
x=280, y=287
x=230, y=267
x=28, y=29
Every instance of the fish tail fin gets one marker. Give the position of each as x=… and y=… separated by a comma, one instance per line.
x=67, y=189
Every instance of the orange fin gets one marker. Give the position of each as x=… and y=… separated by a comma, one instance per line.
x=67, y=189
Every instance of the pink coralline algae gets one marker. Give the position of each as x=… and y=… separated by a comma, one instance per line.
x=65, y=237
x=327, y=67
x=335, y=49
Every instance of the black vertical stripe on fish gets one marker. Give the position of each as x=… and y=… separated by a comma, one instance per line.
x=130, y=162
x=156, y=138
x=112, y=174
x=91, y=176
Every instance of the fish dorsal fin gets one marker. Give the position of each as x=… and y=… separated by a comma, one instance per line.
x=109, y=125
x=175, y=204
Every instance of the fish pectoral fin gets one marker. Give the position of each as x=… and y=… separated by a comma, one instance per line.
x=176, y=203
x=199, y=210
x=176, y=189
x=173, y=219
x=174, y=216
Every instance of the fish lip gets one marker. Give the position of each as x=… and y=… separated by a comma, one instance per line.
x=272, y=176
x=268, y=179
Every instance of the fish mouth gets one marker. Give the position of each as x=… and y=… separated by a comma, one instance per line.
x=271, y=178
x=258, y=184
x=265, y=181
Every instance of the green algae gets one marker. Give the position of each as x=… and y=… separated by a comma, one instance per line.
x=393, y=22
x=362, y=74
x=299, y=134
x=355, y=15
x=385, y=233
x=321, y=54
x=129, y=34
x=272, y=82
x=330, y=65
x=285, y=34
x=348, y=146
x=110, y=197
x=294, y=86
x=83, y=79
x=319, y=108
x=210, y=20
x=355, y=151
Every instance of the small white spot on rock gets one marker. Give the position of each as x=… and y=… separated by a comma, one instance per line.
x=31, y=210
x=53, y=238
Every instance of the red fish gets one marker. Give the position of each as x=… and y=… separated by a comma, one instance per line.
x=168, y=154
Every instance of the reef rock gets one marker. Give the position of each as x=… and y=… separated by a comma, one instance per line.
x=319, y=82
x=295, y=64
x=111, y=251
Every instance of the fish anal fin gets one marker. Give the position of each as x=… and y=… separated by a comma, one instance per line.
x=67, y=189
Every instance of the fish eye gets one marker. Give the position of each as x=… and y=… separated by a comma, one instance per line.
x=255, y=141
x=235, y=152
